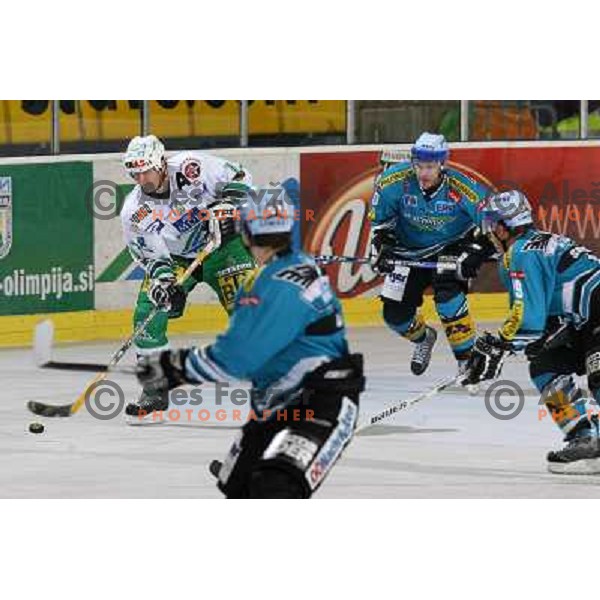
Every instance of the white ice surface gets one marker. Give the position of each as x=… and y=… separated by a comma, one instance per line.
x=447, y=447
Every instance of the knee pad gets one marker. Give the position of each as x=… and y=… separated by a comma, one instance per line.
x=403, y=319
x=447, y=288
x=565, y=401
x=272, y=481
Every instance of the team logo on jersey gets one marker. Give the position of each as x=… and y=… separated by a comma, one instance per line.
x=190, y=169
x=300, y=275
x=5, y=215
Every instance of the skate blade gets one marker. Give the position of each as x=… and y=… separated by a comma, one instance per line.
x=586, y=466
x=142, y=421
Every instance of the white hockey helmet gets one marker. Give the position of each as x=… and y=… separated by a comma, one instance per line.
x=511, y=208
x=143, y=154
x=430, y=147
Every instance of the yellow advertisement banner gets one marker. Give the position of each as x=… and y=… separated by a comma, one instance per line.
x=29, y=121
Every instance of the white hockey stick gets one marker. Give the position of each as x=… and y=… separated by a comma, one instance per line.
x=390, y=411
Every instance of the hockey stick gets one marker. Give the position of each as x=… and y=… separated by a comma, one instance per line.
x=66, y=410
x=386, y=413
x=438, y=265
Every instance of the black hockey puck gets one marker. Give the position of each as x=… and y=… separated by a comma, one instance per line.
x=215, y=468
x=36, y=428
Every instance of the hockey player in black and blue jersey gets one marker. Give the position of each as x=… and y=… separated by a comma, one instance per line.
x=288, y=338
x=554, y=292
x=423, y=210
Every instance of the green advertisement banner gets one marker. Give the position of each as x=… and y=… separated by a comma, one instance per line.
x=46, y=238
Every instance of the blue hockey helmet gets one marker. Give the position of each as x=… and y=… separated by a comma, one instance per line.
x=267, y=210
x=430, y=147
x=511, y=208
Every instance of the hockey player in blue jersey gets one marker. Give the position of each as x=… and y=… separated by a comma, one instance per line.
x=554, y=293
x=287, y=337
x=423, y=210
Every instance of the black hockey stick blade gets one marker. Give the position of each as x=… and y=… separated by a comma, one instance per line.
x=72, y=366
x=49, y=410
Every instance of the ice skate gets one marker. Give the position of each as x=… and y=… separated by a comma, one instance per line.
x=422, y=354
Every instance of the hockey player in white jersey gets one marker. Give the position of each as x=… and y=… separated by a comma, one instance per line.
x=179, y=204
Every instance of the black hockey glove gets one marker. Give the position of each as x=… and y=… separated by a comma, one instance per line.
x=486, y=359
x=383, y=244
x=473, y=255
x=162, y=372
x=166, y=294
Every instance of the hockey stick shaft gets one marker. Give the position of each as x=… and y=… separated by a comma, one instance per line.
x=71, y=409
x=417, y=264
x=402, y=405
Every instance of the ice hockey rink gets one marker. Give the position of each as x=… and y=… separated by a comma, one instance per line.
x=448, y=446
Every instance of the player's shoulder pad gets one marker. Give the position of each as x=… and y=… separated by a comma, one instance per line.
x=395, y=174
x=465, y=186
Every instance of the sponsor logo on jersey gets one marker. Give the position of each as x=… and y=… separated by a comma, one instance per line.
x=5, y=216
x=191, y=169
x=140, y=214
x=188, y=220
x=409, y=200
x=394, y=178
x=513, y=322
x=517, y=275
x=463, y=189
x=445, y=207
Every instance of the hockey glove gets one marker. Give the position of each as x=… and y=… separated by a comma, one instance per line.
x=166, y=295
x=382, y=257
x=486, y=359
x=470, y=260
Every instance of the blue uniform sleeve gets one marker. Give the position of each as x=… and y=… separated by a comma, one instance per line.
x=384, y=206
x=261, y=327
x=530, y=293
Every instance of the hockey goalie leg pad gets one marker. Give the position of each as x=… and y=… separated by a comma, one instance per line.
x=276, y=481
x=565, y=402
x=280, y=473
x=592, y=368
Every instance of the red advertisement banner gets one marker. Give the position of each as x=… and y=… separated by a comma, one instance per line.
x=562, y=183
